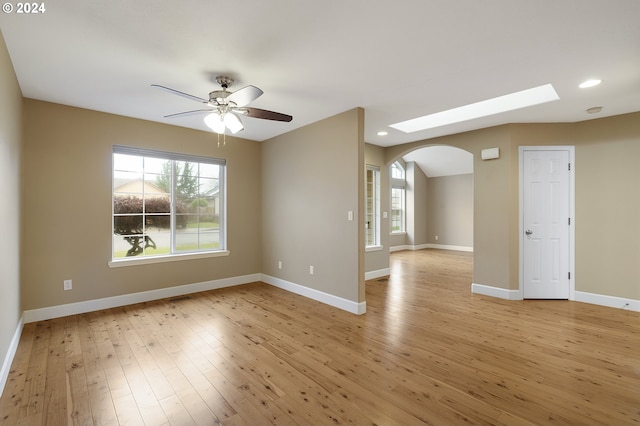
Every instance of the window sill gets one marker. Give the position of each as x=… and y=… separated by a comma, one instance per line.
x=168, y=258
x=399, y=233
x=372, y=248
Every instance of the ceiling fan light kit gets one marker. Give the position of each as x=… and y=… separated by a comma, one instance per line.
x=214, y=122
x=225, y=107
x=219, y=123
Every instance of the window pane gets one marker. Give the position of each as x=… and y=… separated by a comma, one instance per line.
x=187, y=222
x=157, y=165
x=210, y=240
x=397, y=209
x=208, y=186
x=192, y=240
x=209, y=170
x=160, y=176
x=187, y=239
x=128, y=224
x=127, y=163
x=125, y=246
x=397, y=171
x=127, y=183
x=157, y=241
x=157, y=204
x=186, y=179
x=210, y=212
x=154, y=185
x=157, y=221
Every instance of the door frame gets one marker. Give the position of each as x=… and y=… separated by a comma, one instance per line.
x=572, y=216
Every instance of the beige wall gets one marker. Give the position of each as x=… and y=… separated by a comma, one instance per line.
x=450, y=210
x=10, y=161
x=311, y=178
x=608, y=206
x=417, y=199
x=67, y=205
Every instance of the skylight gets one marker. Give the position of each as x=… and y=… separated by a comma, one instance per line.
x=525, y=98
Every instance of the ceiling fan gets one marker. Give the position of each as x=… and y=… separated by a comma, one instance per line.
x=225, y=107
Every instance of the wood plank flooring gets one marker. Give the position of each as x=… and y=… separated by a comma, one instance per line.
x=426, y=352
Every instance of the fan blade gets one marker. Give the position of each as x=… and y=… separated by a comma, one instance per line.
x=244, y=96
x=264, y=114
x=186, y=113
x=179, y=93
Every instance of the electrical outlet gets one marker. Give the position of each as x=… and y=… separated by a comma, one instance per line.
x=311, y=270
x=68, y=284
x=279, y=264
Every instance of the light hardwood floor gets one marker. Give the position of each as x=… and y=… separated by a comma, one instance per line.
x=427, y=351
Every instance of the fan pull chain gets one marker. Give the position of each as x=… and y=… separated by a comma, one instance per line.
x=224, y=139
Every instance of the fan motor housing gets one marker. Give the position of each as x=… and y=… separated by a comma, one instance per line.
x=218, y=97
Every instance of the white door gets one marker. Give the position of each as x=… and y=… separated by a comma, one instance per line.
x=546, y=223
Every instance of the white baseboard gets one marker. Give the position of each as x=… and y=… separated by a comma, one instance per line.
x=501, y=293
x=41, y=314
x=609, y=301
x=358, y=308
x=580, y=296
x=430, y=246
x=50, y=312
x=372, y=275
x=449, y=247
x=11, y=353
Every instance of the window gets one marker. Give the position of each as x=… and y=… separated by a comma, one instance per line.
x=372, y=206
x=398, y=203
x=397, y=171
x=166, y=204
x=397, y=209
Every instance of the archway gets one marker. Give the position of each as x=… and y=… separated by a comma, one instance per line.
x=439, y=199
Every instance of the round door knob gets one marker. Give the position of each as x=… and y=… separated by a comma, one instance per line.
x=528, y=232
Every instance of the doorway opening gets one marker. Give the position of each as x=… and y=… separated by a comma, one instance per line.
x=439, y=200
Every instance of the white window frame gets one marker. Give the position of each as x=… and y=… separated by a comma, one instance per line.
x=372, y=208
x=174, y=255
x=399, y=183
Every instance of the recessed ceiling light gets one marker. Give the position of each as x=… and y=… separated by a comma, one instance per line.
x=510, y=102
x=594, y=110
x=590, y=83
x=383, y=133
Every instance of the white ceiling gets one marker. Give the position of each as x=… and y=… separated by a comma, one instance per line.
x=313, y=59
x=437, y=161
